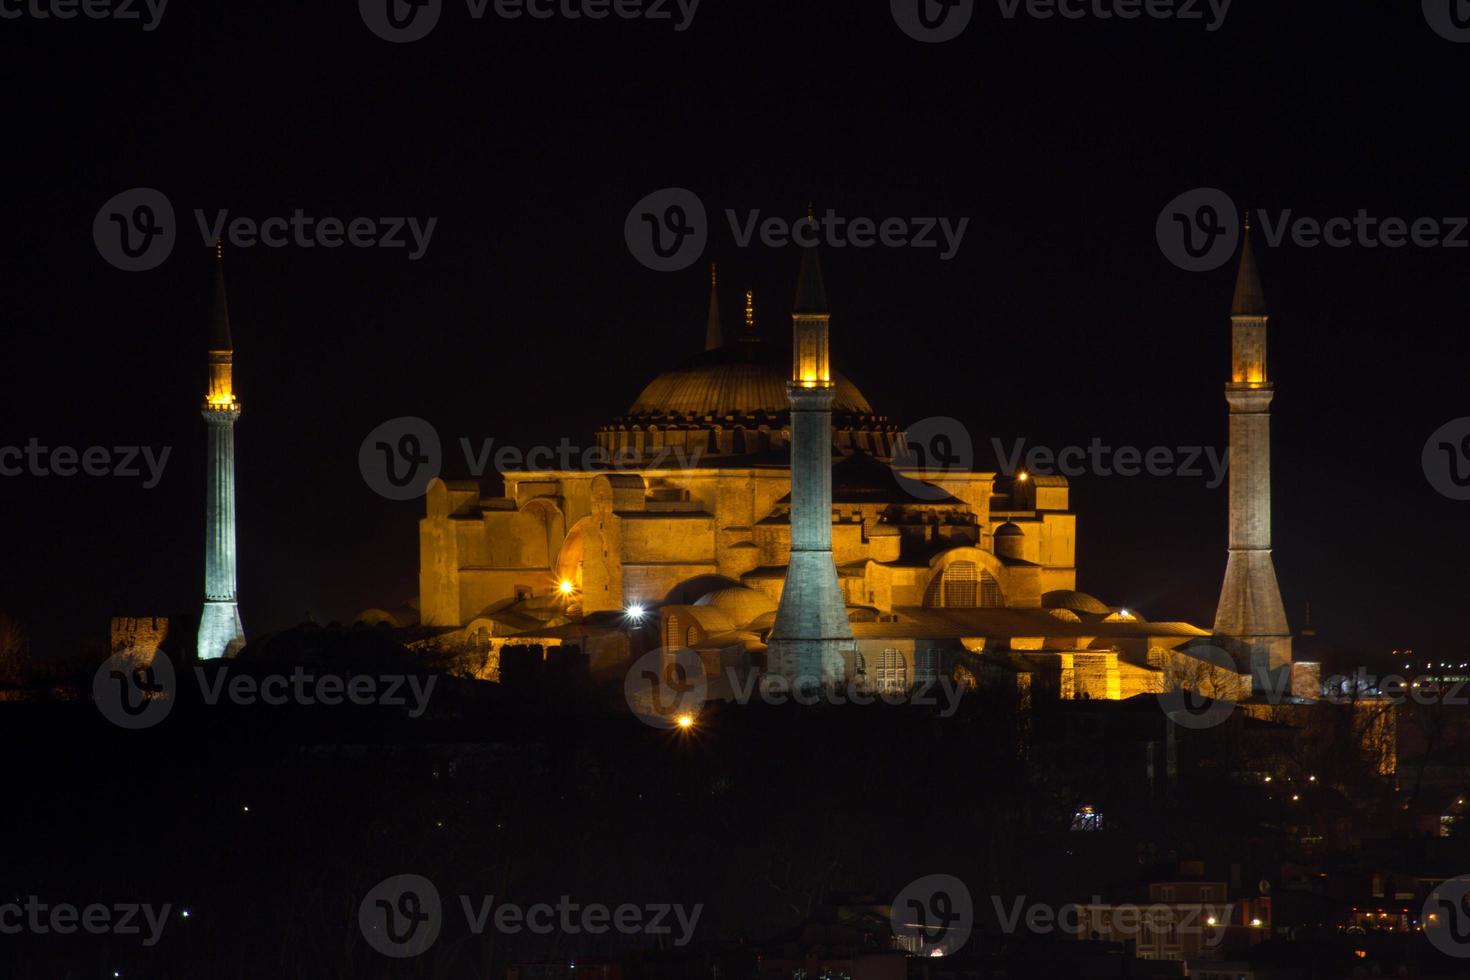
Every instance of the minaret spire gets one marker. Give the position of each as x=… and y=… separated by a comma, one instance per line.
x=713, y=336
x=220, y=631
x=811, y=643
x=1251, y=613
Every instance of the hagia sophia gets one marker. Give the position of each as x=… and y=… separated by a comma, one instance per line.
x=939, y=572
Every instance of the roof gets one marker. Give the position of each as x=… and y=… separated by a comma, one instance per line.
x=811, y=291
x=1249, y=300
x=743, y=378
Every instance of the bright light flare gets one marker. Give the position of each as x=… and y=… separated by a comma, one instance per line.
x=685, y=721
x=565, y=586
x=635, y=612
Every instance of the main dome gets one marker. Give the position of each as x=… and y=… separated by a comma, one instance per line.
x=744, y=379
x=730, y=405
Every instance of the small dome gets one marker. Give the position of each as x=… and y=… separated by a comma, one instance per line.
x=1009, y=530
x=1078, y=602
x=740, y=605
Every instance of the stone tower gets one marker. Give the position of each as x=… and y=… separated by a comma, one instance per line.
x=811, y=640
x=1251, y=614
x=220, y=632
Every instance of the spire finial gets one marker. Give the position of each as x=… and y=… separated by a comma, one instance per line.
x=1247, y=221
x=1249, y=300
x=714, y=336
x=219, y=249
x=810, y=212
x=750, y=311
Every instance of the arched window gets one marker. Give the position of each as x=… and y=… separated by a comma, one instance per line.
x=691, y=637
x=671, y=632
x=961, y=586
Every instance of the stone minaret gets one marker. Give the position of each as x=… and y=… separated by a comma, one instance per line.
x=811, y=640
x=220, y=632
x=1251, y=613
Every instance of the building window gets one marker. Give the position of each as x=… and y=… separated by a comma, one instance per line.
x=1087, y=818
x=961, y=586
x=671, y=632
x=892, y=671
x=926, y=665
x=990, y=597
x=691, y=637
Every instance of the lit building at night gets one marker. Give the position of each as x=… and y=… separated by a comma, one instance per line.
x=960, y=573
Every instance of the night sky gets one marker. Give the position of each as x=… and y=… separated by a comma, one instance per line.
x=528, y=320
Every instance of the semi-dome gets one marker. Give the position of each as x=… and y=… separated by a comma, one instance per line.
x=743, y=379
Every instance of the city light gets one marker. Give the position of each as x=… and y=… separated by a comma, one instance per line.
x=685, y=721
x=635, y=612
x=565, y=587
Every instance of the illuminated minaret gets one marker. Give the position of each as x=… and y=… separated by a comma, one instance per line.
x=1250, y=611
x=220, y=632
x=811, y=640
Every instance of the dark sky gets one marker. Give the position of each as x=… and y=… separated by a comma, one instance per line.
x=528, y=320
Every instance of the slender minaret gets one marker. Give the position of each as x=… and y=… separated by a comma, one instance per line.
x=1251, y=613
x=220, y=632
x=811, y=641
x=713, y=335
